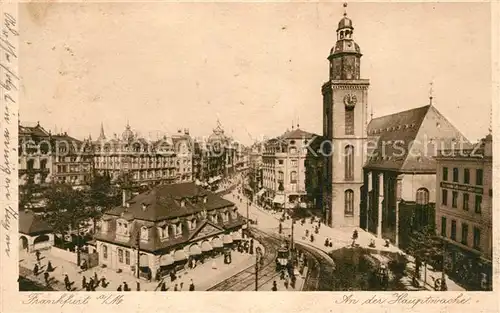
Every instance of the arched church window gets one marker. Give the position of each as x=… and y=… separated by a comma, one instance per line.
x=349, y=162
x=349, y=121
x=422, y=196
x=349, y=202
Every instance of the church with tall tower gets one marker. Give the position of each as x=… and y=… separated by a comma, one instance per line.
x=345, y=115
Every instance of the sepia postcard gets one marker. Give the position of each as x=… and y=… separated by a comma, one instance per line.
x=331, y=156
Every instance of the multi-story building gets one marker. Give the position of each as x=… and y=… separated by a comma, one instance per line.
x=46, y=158
x=215, y=157
x=464, y=213
x=167, y=160
x=166, y=226
x=283, y=168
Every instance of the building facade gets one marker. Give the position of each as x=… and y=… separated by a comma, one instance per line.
x=398, y=195
x=45, y=157
x=345, y=113
x=165, y=227
x=166, y=160
x=464, y=213
x=283, y=169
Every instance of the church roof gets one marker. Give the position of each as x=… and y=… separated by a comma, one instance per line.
x=297, y=134
x=408, y=140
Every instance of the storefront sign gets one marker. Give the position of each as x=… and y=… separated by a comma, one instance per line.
x=462, y=187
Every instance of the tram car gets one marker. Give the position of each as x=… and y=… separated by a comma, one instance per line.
x=283, y=258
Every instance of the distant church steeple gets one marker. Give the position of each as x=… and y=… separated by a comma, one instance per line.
x=431, y=92
x=101, y=135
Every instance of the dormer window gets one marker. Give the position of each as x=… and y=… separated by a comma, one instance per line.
x=192, y=224
x=163, y=232
x=204, y=199
x=122, y=228
x=234, y=213
x=225, y=217
x=144, y=233
x=183, y=203
x=178, y=229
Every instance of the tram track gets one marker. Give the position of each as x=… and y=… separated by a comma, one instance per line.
x=245, y=279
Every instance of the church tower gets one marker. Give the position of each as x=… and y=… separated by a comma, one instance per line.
x=345, y=115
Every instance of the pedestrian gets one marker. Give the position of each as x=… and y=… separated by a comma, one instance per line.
x=66, y=281
x=84, y=282
x=326, y=242
x=181, y=285
x=275, y=287
x=355, y=234
x=163, y=287
x=191, y=286
x=35, y=270
x=312, y=238
x=293, y=281
x=125, y=287
x=137, y=286
x=282, y=275
x=46, y=277
x=37, y=253
x=286, y=283
x=95, y=276
x=89, y=287
x=49, y=267
x=176, y=288
x=119, y=288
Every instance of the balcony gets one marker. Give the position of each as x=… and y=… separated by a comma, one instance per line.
x=34, y=171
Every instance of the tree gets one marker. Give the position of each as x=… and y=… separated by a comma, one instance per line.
x=100, y=197
x=425, y=246
x=26, y=195
x=65, y=210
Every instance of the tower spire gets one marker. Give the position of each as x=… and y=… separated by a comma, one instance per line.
x=101, y=135
x=298, y=122
x=431, y=92
x=345, y=8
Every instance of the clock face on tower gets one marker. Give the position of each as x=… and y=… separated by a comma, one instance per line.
x=350, y=100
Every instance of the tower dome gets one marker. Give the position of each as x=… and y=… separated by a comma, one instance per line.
x=345, y=22
x=127, y=133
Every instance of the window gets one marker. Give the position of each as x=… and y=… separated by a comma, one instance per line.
x=120, y=255
x=465, y=233
x=43, y=164
x=454, y=199
x=144, y=233
x=349, y=202
x=127, y=257
x=477, y=238
x=349, y=162
x=445, y=173
x=293, y=177
x=294, y=162
x=178, y=229
x=293, y=150
x=225, y=217
x=455, y=175
x=280, y=162
x=466, y=202
x=479, y=177
x=104, y=226
x=30, y=164
x=104, y=251
x=349, y=121
x=193, y=224
x=444, y=197
x=453, y=230
x=443, y=226
x=422, y=196
x=478, y=202
x=466, y=176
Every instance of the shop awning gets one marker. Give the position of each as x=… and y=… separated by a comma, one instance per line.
x=166, y=259
x=228, y=239
x=217, y=243
x=261, y=192
x=236, y=235
x=206, y=246
x=194, y=250
x=280, y=199
x=144, y=260
x=180, y=255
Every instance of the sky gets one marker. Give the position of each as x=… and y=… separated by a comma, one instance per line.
x=255, y=67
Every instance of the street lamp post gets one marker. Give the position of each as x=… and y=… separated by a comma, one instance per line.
x=443, y=273
x=256, y=271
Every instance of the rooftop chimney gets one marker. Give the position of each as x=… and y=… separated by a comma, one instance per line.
x=179, y=131
x=186, y=131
